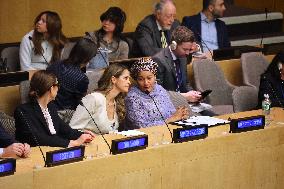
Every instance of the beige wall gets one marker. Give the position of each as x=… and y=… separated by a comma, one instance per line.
x=78, y=16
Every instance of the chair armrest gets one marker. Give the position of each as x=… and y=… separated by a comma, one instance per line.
x=244, y=98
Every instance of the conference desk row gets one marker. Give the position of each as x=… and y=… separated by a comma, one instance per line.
x=253, y=159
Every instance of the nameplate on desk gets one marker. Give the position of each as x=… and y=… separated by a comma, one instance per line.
x=247, y=124
x=67, y=155
x=7, y=167
x=129, y=144
x=190, y=133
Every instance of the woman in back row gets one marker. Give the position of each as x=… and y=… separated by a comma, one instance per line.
x=44, y=44
x=109, y=38
x=73, y=81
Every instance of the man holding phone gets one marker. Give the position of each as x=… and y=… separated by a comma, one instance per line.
x=172, y=64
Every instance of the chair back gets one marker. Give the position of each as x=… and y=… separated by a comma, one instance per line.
x=245, y=98
x=253, y=65
x=208, y=75
x=94, y=76
x=11, y=54
x=67, y=49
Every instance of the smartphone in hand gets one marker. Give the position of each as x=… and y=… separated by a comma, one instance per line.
x=205, y=93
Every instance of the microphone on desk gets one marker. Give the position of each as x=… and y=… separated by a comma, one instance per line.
x=148, y=93
x=31, y=39
x=33, y=135
x=82, y=104
x=272, y=90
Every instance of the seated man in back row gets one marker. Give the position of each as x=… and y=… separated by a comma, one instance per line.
x=207, y=27
x=10, y=148
x=154, y=31
x=172, y=65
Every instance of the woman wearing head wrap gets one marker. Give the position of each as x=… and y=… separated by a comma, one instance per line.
x=272, y=82
x=141, y=110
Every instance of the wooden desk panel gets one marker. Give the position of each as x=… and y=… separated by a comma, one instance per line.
x=222, y=160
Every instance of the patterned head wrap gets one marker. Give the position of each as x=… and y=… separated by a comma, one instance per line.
x=143, y=64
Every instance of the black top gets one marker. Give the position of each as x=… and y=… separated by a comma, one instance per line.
x=30, y=115
x=273, y=87
x=5, y=138
x=73, y=85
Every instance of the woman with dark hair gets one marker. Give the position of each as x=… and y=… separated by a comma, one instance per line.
x=272, y=82
x=37, y=122
x=141, y=110
x=109, y=39
x=44, y=44
x=106, y=104
x=73, y=81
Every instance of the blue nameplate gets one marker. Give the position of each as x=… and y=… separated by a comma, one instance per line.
x=7, y=167
x=247, y=124
x=63, y=156
x=129, y=144
x=190, y=133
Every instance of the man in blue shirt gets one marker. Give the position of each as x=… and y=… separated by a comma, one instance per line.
x=209, y=30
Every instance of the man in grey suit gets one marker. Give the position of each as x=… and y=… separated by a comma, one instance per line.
x=154, y=31
x=172, y=64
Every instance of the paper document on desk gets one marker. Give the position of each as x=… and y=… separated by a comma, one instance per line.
x=198, y=120
x=131, y=133
x=200, y=107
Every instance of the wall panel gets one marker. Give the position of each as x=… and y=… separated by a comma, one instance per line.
x=78, y=16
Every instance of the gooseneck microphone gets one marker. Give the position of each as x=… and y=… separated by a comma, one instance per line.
x=34, y=137
x=31, y=39
x=262, y=35
x=82, y=104
x=148, y=93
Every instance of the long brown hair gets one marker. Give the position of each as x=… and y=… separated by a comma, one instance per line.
x=41, y=82
x=55, y=35
x=105, y=85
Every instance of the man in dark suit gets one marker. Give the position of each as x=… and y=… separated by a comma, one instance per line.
x=154, y=31
x=207, y=27
x=10, y=148
x=172, y=64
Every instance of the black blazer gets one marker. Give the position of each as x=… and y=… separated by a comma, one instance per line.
x=194, y=24
x=30, y=114
x=166, y=75
x=147, y=37
x=5, y=138
x=273, y=87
